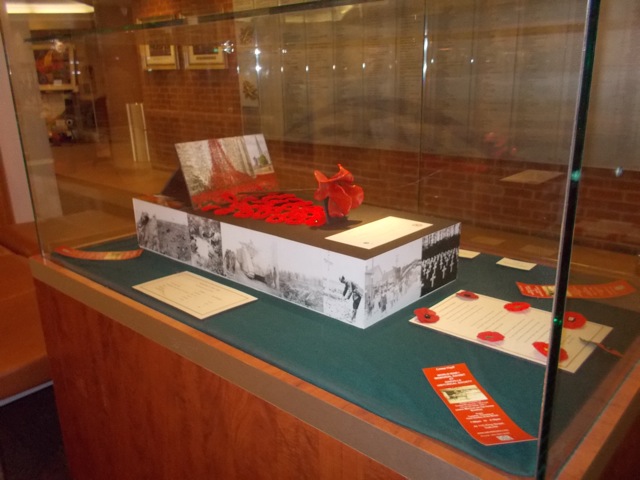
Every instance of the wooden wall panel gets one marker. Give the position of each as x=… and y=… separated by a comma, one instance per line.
x=131, y=409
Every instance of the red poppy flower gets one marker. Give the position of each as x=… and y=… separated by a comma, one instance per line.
x=517, y=306
x=467, y=295
x=315, y=221
x=275, y=218
x=424, y=315
x=573, y=320
x=208, y=206
x=340, y=190
x=294, y=218
x=223, y=211
x=491, y=337
x=543, y=348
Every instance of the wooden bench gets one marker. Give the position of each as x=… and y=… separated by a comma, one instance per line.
x=24, y=366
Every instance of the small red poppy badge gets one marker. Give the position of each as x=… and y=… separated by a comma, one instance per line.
x=517, y=306
x=424, y=315
x=573, y=320
x=543, y=348
x=467, y=295
x=491, y=337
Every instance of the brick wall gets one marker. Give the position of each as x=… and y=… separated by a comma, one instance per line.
x=471, y=190
x=186, y=105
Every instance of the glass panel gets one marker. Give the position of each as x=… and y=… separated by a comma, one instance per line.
x=602, y=305
x=463, y=110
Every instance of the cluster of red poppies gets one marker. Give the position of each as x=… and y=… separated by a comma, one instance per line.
x=272, y=208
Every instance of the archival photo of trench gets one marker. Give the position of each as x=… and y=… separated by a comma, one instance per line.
x=300, y=270
x=174, y=239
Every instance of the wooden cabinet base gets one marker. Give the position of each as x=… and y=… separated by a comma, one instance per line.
x=131, y=409
x=143, y=396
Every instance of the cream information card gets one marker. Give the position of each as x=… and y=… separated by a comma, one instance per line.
x=519, y=331
x=374, y=234
x=198, y=296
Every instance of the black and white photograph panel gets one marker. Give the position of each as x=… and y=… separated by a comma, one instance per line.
x=440, y=258
x=393, y=280
x=236, y=153
x=173, y=235
x=206, y=244
x=250, y=258
x=258, y=154
x=146, y=225
x=300, y=272
x=195, y=161
x=147, y=231
x=344, y=288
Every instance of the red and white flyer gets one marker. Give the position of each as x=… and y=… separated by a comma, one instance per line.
x=473, y=407
x=91, y=255
x=617, y=288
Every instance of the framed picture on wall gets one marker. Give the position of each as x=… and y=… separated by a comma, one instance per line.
x=158, y=52
x=204, y=56
x=55, y=66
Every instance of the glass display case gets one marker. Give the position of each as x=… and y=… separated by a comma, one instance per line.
x=517, y=119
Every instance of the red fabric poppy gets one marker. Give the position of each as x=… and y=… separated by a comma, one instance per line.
x=517, y=306
x=208, y=206
x=315, y=221
x=261, y=213
x=491, y=337
x=467, y=295
x=274, y=218
x=294, y=218
x=425, y=315
x=343, y=195
x=223, y=211
x=272, y=208
x=573, y=320
x=543, y=348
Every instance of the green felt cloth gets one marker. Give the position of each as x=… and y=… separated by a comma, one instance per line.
x=380, y=368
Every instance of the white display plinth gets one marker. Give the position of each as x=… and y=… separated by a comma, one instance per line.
x=356, y=285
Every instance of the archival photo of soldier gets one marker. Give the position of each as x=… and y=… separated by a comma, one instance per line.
x=300, y=277
x=250, y=259
x=440, y=258
x=146, y=215
x=206, y=244
x=392, y=280
x=162, y=230
x=147, y=230
x=343, y=290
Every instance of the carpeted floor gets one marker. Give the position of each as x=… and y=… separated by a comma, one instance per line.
x=30, y=439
